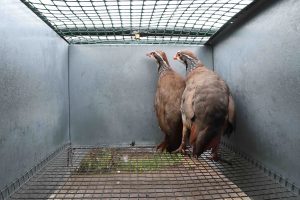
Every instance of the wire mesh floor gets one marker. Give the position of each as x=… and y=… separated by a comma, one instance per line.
x=141, y=173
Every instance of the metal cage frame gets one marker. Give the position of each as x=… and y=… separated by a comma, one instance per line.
x=190, y=22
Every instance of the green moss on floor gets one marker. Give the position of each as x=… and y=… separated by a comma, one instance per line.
x=113, y=160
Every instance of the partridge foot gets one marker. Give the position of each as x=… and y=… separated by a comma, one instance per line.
x=181, y=149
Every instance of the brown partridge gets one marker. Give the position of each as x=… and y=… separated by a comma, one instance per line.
x=207, y=107
x=169, y=90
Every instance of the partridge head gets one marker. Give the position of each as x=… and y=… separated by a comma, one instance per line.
x=188, y=58
x=159, y=56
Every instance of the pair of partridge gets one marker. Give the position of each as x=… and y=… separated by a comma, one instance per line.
x=206, y=107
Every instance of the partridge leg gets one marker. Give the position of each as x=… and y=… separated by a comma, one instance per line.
x=215, y=148
x=215, y=155
x=162, y=146
x=182, y=146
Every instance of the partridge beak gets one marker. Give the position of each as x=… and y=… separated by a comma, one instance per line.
x=175, y=57
x=150, y=55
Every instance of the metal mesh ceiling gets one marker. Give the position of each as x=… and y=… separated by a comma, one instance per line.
x=136, y=21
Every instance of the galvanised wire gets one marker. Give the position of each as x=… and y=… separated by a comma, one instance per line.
x=136, y=21
x=142, y=173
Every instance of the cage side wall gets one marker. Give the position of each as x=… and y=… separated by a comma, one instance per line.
x=112, y=92
x=260, y=62
x=33, y=90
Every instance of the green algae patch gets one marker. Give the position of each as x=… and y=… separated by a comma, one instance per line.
x=108, y=160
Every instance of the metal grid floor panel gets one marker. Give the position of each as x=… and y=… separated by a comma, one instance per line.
x=141, y=173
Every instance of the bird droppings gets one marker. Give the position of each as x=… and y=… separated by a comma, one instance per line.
x=125, y=158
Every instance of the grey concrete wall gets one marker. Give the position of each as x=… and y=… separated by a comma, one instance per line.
x=33, y=90
x=112, y=92
x=261, y=63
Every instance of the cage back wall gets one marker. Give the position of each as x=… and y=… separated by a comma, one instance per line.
x=77, y=94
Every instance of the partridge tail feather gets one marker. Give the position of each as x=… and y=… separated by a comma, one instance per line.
x=174, y=142
x=230, y=117
x=230, y=129
x=203, y=139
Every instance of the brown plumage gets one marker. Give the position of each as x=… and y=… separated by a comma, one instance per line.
x=230, y=126
x=169, y=90
x=205, y=106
